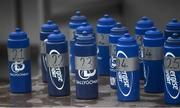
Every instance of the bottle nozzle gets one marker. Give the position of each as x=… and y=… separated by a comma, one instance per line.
x=106, y=16
x=56, y=31
x=145, y=18
x=18, y=29
x=49, y=21
x=78, y=13
x=174, y=20
x=118, y=24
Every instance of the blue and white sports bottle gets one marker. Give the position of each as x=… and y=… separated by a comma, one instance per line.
x=58, y=66
x=19, y=63
x=153, y=44
x=172, y=70
x=116, y=32
x=104, y=26
x=86, y=68
x=128, y=87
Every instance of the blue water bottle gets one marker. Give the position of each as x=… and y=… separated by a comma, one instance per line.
x=116, y=32
x=19, y=63
x=104, y=26
x=172, y=27
x=46, y=29
x=143, y=25
x=75, y=22
x=128, y=87
x=153, y=43
x=172, y=70
x=85, y=65
x=58, y=67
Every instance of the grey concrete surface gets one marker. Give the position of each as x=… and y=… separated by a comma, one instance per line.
x=107, y=97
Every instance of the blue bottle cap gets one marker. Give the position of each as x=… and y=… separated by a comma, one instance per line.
x=77, y=20
x=127, y=39
x=18, y=39
x=173, y=41
x=153, y=34
x=143, y=25
x=50, y=26
x=84, y=27
x=85, y=38
x=116, y=32
x=173, y=25
x=18, y=34
x=119, y=29
x=56, y=36
x=105, y=24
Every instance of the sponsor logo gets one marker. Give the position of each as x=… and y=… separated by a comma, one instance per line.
x=57, y=74
x=16, y=67
x=124, y=79
x=86, y=74
x=171, y=80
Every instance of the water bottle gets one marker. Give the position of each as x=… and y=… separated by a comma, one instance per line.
x=104, y=26
x=85, y=65
x=143, y=25
x=75, y=22
x=46, y=29
x=172, y=27
x=116, y=32
x=128, y=87
x=57, y=62
x=19, y=63
x=172, y=70
x=153, y=43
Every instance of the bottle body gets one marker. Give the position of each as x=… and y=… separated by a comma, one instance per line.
x=19, y=63
x=58, y=69
x=86, y=72
x=153, y=62
x=128, y=74
x=153, y=73
x=172, y=74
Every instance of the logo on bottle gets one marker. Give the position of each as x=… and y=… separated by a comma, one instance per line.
x=18, y=57
x=171, y=80
x=56, y=64
x=86, y=66
x=124, y=78
x=86, y=74
x=17, y=67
